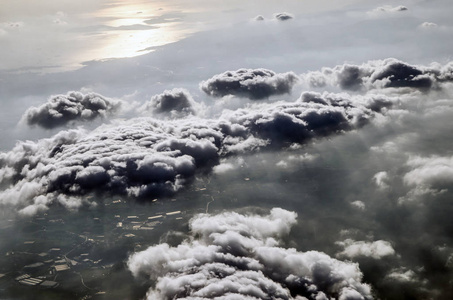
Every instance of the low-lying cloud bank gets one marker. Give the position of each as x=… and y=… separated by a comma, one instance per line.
x=74, y=106
x=145, y=158
x=234, y=256
x=379, y=74
x=255, y=84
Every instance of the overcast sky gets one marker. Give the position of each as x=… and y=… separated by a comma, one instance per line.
x=338, y=113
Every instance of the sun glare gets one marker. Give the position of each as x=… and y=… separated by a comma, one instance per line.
x=127, y=33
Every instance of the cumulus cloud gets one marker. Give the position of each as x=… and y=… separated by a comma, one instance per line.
x=292, y=161
x=388, y=9
x=143, y=158
x=135, y=159
x=381, y=180
x=234, y=256
x=259, y=18
x=380, y=74
x=223, y=168
x=428, y=25
x=403, y=275
x=358, y=204
x=174, y=103
x=74, y=106
x=430, y=171
x=283, y=16
x=376, y=250
x=255, y=84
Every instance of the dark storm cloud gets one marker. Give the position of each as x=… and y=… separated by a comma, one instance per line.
x=255, y=84
x=143, y=158
x=388, y=73
x=74, y=106
x=234, y=256
x=174, y=103
x=283, y=16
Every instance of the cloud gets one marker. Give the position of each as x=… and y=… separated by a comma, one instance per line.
x=388, y=9
x=259, y=18
x=12, y=25
x=286, y=123
x=142, y=158
x=428, y=25
x=376, y=250
x=429, y=171
x=223, y=168
x=74, y=106
x=135, y=159
x=234, y=256
x=283, y=16
x=403, y=275
x=174, y=103
x=255, y=84
x=381, y=74
x=381, y=180
x=358, y=204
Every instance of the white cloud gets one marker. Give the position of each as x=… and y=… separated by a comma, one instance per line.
x=145, y=157
x=430, y=171
x=386, y=9
x=428, y=25
x=377, y=249
x=381, y=180
x=223, y=168
x=237, y=256
x=403, y=275
x=358, y=204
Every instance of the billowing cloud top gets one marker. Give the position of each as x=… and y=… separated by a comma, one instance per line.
x=74, y=106
x=430, y=171
x=142, y=158
x=388, y=73
x=174, y=103
x=255, y=84
x=234, y=256
x=376, y=250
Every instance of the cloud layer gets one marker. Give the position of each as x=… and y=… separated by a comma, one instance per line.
x=74, y=106
x=144, y=158
x=234, y=256
x=379, y=74
x=255, y=84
